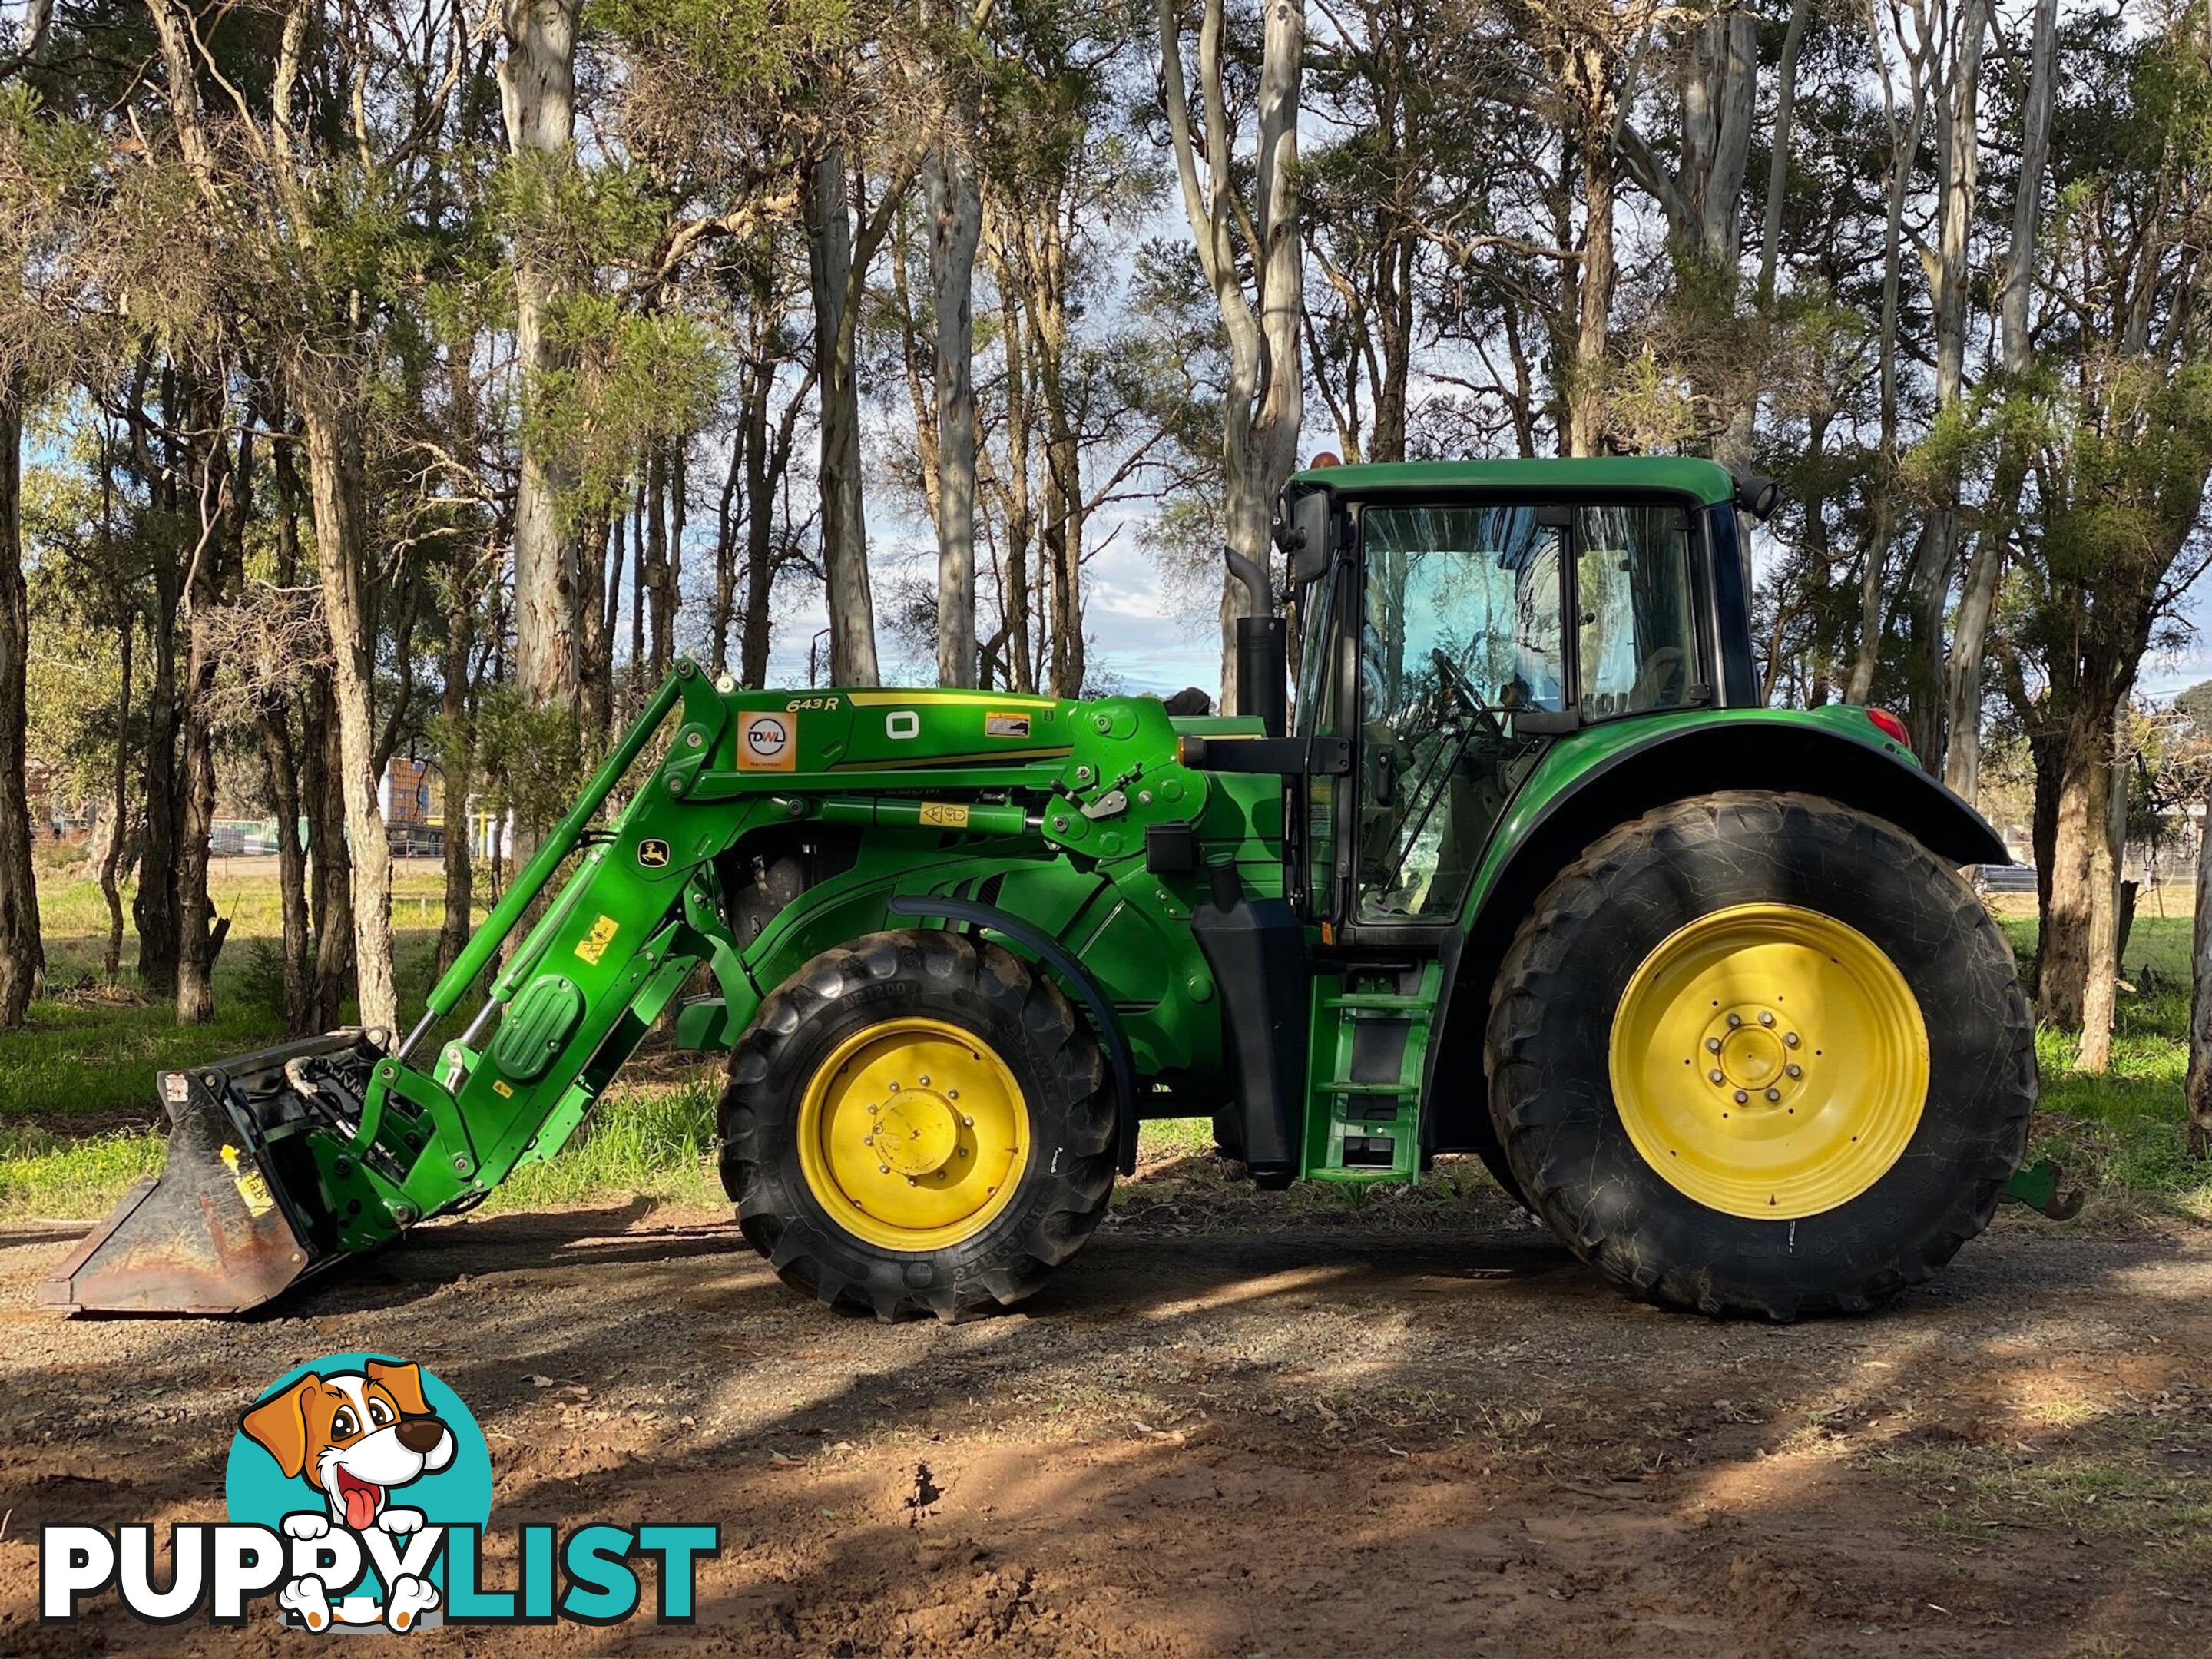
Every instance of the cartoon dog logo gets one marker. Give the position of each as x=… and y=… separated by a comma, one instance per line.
x=355, y=1436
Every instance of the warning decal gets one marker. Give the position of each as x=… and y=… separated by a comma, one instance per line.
x=1006, y=726
x=944, y=815
x=767, y=743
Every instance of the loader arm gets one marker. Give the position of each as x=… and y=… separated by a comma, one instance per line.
x=284, y=1162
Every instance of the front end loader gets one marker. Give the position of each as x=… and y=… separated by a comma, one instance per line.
x=1525, y=870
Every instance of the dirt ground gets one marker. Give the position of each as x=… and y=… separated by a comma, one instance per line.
x=1217, y=1434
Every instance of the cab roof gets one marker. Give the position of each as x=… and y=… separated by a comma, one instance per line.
x=1674, y=474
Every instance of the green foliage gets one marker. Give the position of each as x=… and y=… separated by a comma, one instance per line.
x=631, y=377
x=532, y=758
x=735, y=48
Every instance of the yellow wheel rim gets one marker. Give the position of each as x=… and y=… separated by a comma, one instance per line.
x=1770, y=1061
x=913, y=1135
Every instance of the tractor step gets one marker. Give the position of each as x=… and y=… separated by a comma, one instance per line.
x=1371, y=1031
x=1379, y=1002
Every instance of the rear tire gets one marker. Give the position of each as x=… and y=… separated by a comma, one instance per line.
x=1842, y=1182
x=856, y=1032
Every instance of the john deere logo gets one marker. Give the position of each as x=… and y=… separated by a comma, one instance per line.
x=652, y=855
x=359, y=1488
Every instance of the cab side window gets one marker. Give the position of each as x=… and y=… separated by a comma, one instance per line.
x=1635, y=638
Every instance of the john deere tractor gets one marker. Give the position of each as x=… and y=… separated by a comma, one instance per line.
x=1524, y=870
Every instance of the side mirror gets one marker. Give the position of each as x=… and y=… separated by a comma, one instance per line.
x=1756, y=495
x=1302, y=531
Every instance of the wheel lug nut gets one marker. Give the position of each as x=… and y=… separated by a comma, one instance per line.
x=1716, y=1076
x=867, y=1141
x=1740, y=1096
x=872, y=1111
x=952, y=1094
x=894, y=1088
x=1734, y=1020
x=968, y=1122
x=1790, y=1041
x=924, y=1083
x=1713, y=1045
x=882, y=1168
x=1774, y=1094
x=963, y=1152
x=1765, y=1018
x=1796, y=1070
x=911, y=1181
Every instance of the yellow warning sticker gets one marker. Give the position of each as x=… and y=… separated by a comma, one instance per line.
x=1006, y=726
x=945, y=814
x=593, y=944
x=259, y=1200
x=503, y=1088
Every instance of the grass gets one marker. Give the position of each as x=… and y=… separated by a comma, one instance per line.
x=2121, y=1136
x=78, y=1122
x=2128, y=1475
x=91, y=1048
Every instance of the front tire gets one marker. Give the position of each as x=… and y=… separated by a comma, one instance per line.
x=1761, y=1054
x=917, y=1123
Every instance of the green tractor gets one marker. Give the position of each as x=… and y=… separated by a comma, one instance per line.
x=1524, y=870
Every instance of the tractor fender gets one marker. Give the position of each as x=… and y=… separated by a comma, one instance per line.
x=1553, y=820
x=1056, y=957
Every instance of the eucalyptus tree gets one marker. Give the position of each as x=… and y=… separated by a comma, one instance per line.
x=1248, y=249
x=2112, y=530
x=538, y=98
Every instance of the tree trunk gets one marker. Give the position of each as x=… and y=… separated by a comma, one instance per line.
x=2106, y=851
x=722, y=616
x=284, y=773
x=1586, y=386
x=331, y=869
x=23, y=950
x=1957, y=148
x=2027, y=201
x=337, y=486
x=1020, y=519
x=280, y=772
x=1904, y=146
x=1778, y=162
x=654, y=583
x=2197, y=1091
x=844, y=524
x=153, y=906
x=457, y=762
x=611, y=616
x=1264, y=399
x=222, y=510
x=1045, y=269
x=2083, y=757
x=1962, y=760
x=114, y=858
x=594, y=661
x=760, y=552
x=956, y=222
x=538, y=96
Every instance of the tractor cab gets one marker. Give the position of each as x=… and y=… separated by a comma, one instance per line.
x=1455, y=622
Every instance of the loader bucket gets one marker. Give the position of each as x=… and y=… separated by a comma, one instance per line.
x=219, y=1231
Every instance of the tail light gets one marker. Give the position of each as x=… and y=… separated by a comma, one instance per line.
x=1891, y=727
